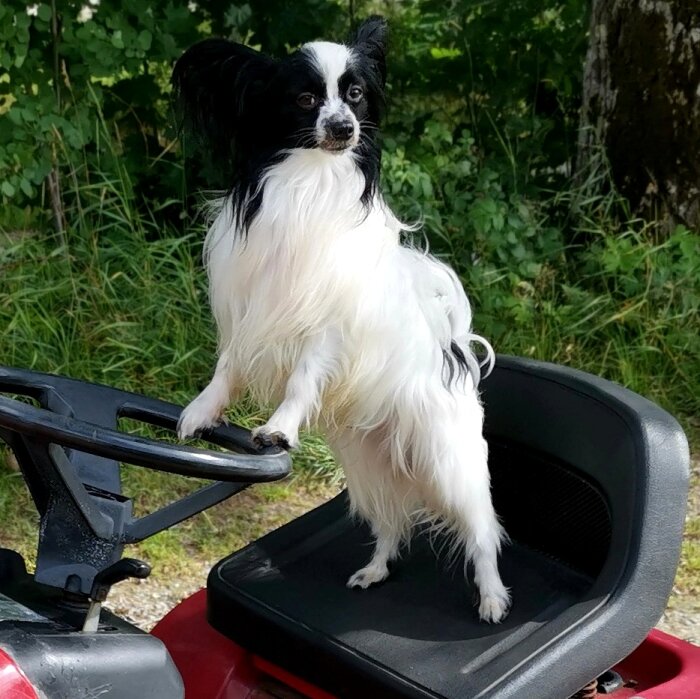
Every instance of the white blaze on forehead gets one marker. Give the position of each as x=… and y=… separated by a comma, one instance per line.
x=331, y=60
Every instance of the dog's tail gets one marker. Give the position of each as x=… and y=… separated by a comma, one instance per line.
x=461, y=359
x=449, y=314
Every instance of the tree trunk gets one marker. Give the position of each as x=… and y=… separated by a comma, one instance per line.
x=641, y=104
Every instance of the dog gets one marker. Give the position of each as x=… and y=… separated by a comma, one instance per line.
x=322, y=311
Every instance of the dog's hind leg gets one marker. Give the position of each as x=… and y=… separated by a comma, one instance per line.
x=456, y=488
x=386, y=549
x=379, y=495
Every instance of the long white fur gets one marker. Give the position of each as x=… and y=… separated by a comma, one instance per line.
x=322, y=311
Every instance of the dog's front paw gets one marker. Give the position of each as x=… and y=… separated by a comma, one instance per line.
x=269, y=436
x=494, y=606
x=369, y=575
x=197, y=417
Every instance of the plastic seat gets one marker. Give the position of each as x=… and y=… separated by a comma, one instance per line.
x=590, y=481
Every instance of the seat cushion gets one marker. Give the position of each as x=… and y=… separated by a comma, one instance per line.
x=415, y=635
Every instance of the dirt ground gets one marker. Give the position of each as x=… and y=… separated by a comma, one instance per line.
x=682, y=616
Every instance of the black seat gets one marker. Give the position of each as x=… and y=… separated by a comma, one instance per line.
x=591, y=483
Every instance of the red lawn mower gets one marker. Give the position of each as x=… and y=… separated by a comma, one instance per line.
x=589, y=479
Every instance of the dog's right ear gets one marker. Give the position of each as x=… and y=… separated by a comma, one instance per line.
x=214, y=84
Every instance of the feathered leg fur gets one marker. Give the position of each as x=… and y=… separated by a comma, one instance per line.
x=444, y=480
x=303, y=391
x=383, y=496
x=207, y=409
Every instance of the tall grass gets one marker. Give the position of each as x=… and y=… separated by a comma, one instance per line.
x=116, y=308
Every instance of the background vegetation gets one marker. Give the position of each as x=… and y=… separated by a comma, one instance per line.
x=100, y=274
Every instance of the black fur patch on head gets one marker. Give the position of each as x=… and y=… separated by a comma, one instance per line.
x=369, y=40
x=217, y=86
x=242, y=107
x=368, y=45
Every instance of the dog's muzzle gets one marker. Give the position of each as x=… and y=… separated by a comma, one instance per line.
x=339, y=135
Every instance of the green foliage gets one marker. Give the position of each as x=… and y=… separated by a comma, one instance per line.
x=506, y=70
x=483, y=108
x=642, y=300
x=509, y=71
x=624, y=305
x=468, y=214
x=62, y=75
x=57, y=74
x=115, y=308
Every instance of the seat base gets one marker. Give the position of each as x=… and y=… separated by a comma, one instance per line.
x=415, y=635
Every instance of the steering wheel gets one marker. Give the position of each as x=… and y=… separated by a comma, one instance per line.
x=69, y=449
x=56, y=423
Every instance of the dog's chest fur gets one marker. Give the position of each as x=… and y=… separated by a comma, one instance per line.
x=313, y=259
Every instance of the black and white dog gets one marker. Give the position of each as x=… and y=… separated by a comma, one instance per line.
x=323, y=312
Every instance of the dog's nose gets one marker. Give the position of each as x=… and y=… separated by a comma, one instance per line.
x=341, y=130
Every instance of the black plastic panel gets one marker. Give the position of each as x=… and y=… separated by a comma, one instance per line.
x=550, y=507
x=421, y=622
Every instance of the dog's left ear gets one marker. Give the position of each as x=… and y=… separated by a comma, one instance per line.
x=369, y=39
x=215, y=84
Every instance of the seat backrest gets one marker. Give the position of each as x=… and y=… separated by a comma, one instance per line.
x=597, y=476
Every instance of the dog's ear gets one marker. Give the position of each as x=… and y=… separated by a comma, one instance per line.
x=369, y=39
x=214, y=84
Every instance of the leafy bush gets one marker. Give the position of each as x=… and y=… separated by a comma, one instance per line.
x=66, y=68
x=60, y=72
x=623, y=306
x=508, y=70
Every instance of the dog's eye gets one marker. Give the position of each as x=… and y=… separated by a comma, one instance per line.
x=355, y=93
x=306, y=100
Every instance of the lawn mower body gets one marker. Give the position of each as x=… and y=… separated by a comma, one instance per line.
x=214, y=667
x=589, y=479
x=42, y=647
x=208, y=665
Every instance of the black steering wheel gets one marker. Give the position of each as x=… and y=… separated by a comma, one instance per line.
x=69, y=448
x=245, y=463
